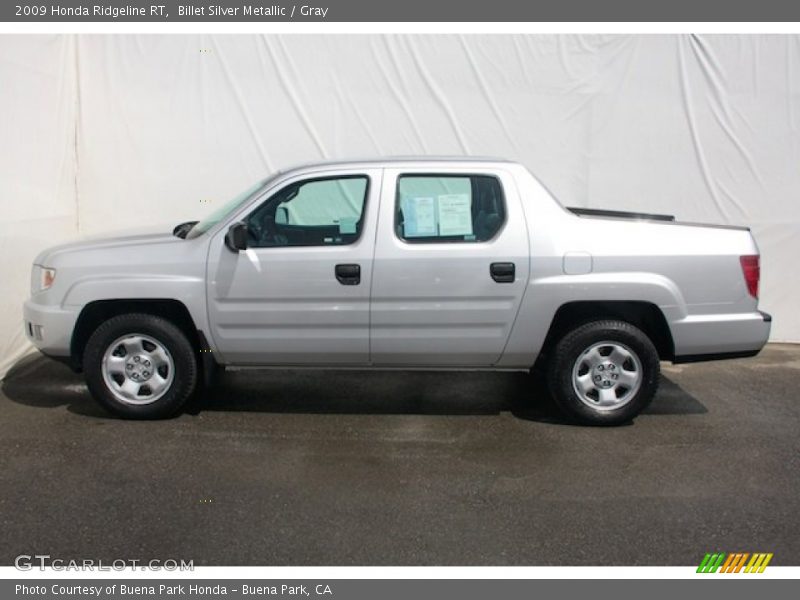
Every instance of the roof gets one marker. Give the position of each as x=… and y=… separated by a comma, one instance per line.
x=392, y=160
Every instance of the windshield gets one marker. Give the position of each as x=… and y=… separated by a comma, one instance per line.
x=226, y=209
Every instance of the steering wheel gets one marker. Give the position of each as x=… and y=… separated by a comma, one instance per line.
x=254, y=232
x=263, y=232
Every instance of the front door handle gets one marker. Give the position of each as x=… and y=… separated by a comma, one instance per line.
x=503, y=272
x=348, y=274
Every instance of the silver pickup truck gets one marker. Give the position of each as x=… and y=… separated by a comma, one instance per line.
x=400, y=264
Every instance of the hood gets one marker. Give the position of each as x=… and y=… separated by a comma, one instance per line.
x=128, y=238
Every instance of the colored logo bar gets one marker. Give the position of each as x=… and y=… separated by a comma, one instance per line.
x=734, y=562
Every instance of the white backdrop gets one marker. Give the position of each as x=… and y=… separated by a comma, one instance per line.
x=102, y=133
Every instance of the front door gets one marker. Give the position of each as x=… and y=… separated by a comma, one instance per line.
x=300, y=292
x=451, y=266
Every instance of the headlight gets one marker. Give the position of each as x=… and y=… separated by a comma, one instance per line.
x=42, y=278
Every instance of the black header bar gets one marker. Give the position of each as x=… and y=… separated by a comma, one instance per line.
x=242, y=11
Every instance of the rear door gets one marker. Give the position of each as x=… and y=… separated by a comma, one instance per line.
x=451, y=266
x=299, y=294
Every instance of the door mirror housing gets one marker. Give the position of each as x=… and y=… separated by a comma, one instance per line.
x=236, y=238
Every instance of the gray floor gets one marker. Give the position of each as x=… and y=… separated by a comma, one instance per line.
x=293, y=467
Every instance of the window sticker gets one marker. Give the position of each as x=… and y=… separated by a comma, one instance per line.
x=455, y=214
x=419, y=216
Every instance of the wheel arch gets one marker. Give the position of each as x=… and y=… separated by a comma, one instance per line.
x=642, y=314
x=98, y=311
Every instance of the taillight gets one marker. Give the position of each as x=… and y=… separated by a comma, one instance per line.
x=752, y=273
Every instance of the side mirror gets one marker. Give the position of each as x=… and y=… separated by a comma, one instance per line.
x=236, y=238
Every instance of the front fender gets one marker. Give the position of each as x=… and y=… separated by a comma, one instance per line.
x=188, y=290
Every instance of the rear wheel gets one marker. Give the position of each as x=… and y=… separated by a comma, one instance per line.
x=604, y=372
x=140, y=366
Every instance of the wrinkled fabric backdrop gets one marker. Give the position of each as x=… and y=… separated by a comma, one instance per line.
x=103, y=133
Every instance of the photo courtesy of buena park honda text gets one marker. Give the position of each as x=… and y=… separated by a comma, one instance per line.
x=351, y=299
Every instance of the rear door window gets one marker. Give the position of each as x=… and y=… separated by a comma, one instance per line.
x=448, y=208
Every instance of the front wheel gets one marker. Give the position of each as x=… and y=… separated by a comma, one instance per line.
x=140, y=366
x=604, y=372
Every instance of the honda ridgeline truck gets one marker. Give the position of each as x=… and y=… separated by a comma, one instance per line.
x=400, y=264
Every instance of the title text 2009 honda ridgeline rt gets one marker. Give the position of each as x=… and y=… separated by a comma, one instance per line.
x=401, y=263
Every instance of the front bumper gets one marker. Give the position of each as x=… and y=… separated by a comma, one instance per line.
x=49, y=328
x=712, y=337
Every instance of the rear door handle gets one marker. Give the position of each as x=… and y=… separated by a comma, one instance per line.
x=503, y=272
x=348, y=274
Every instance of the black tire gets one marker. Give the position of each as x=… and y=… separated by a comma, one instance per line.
x=564, y=374
x=181, y=371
